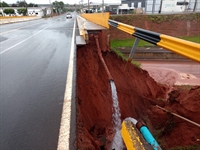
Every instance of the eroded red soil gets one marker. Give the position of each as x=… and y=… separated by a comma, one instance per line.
x=138, y=94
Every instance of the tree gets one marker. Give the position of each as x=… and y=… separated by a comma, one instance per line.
x=4, y=4
x=21, y=4
x=22, y=11
x=9, y=11
x=14, y=5
x=61, y=4
x=58, y=6
x=32, y=5
x=45, y=12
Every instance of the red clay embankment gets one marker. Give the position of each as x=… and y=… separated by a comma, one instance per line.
x=138, y=94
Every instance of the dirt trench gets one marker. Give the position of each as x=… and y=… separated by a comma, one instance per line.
x=138, y=94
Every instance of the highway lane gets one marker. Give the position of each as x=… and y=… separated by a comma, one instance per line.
x=33, y=69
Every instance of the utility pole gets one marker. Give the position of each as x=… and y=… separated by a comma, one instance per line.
x=160, y=7
x=153, y=8
x=25, y=5
x=88, y=6
x=195, y=5
x=51, y=7
x=102, y=5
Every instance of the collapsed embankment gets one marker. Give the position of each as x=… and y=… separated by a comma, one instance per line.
x=138, y=94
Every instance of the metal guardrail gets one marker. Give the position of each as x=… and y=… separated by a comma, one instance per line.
x=185, y=48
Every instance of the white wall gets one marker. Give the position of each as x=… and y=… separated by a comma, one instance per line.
x=35, y=11
x=32, y=11
x=171, y=6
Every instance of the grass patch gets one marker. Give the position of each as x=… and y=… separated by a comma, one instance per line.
x=120, y=54
x=136, y=63
x=129, y=42
x=195, y=39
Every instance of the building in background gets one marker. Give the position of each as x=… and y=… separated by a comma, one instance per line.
x=32, y=11
x=159, y=6
x=121, y=7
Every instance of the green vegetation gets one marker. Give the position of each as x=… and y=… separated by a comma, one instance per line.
x=129, y=42
x=23, y=4
x=170, y=18
x=9, y=11
x=4, y=4
x=195, y=39
x=137, y=64
x=22, y=11
x=58, y=7
x=120, y=54
x=190, y=147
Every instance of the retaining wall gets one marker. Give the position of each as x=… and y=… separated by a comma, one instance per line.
x=174, y=24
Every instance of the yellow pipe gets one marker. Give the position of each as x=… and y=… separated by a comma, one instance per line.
x=182, y=47
x=130, y=136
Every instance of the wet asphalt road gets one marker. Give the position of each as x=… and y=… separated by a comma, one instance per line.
x=33, y=69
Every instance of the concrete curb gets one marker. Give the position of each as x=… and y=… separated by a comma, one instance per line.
x=14, y=20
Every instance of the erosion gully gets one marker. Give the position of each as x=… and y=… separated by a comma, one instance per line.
x=107, y=93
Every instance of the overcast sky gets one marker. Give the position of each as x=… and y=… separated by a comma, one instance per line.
x=64, y=1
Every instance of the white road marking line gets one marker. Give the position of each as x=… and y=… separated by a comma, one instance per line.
x=22, y=41
x=64, y=135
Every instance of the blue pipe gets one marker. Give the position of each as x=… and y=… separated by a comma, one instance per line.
x=149, y=138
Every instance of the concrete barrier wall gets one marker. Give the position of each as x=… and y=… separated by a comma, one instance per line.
x=98, y=18
x=13, y=20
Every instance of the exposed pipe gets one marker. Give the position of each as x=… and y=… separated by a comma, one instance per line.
x=147, y=135
x=101, y=58
x=198, y=125
x=131, y=136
